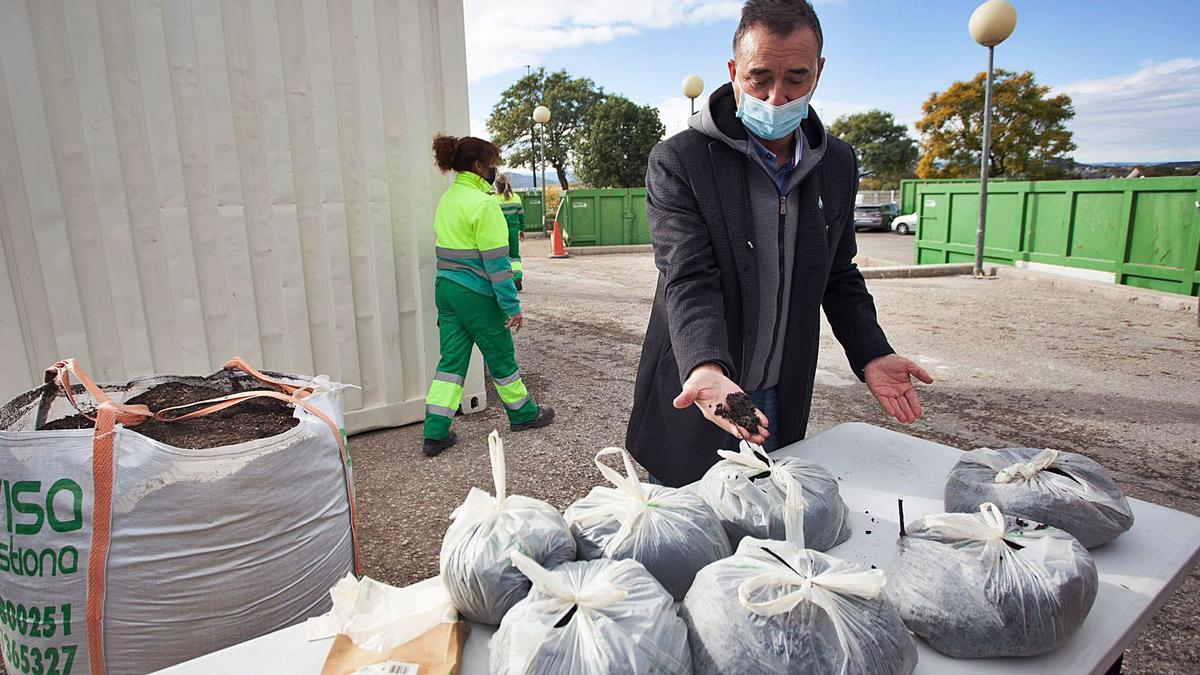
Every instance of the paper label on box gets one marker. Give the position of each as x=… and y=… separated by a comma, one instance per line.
x=389, y=668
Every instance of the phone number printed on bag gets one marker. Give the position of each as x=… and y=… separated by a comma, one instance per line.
x=39, y=622
x=38, y=661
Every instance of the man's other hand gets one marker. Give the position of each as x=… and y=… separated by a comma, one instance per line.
x=888, y=378
x=707, y=387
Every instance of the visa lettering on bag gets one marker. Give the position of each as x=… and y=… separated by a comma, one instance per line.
x=28, y=510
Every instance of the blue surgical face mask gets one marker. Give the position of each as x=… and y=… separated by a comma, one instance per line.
x=770, y=121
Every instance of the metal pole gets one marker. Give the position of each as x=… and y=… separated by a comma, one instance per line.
x=983, y=166
x=542, y=148
x=532, y=139
x=693, y=106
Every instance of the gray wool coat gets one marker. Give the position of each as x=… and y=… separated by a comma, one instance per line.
x=707, y=300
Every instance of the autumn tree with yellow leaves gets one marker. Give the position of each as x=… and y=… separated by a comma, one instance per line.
x=1030, y=139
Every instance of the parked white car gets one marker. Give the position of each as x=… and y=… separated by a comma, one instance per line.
x=905, y=224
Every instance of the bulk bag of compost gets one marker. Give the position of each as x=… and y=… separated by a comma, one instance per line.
x=476, y=563
x=776, y=607
x=755, y=495
x=593, y=617
x=235, y=526
x=986, y=585
x=1062, y=489
x=670, y=531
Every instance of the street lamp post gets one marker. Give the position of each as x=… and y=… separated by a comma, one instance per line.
x=991, y=23
x=532, y=139
x=691, y=87
x=541, y=115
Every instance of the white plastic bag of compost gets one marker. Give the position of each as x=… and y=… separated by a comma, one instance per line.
x=177, y=552
x=755, y=495
x=1062, y=489
x=981, y=585
x=672, y=532
x=476, y=563
x=776, y=607
x=593, y=617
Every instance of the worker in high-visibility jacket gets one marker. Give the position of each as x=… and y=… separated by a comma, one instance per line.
x=514, y=215
x=476, y=297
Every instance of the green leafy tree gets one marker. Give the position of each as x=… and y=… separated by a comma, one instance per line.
x=886, y=153
x=1029, y=134
x=569, y=100
x=617, y=138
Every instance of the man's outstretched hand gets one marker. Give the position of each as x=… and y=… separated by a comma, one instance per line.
x=708, y=386
x=888, y=378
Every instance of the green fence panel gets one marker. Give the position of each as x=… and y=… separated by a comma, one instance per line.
x=1144, y=231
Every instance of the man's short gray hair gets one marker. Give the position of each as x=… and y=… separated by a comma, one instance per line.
x=779, y=17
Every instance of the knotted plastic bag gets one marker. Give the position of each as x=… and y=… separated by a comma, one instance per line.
x=475, y=560
x=775, y=607
x=1062, y=489
x=756, y=496
x=981, y=585
x=595, y=617
x=670, y=531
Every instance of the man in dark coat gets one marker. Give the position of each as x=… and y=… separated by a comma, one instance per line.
x=751, y=214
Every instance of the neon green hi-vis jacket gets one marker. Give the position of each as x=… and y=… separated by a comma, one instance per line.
x=472, y=241
x=513, y=209
x=514, y=214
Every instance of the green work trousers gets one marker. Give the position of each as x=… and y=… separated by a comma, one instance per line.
x=465, y=319
x=514, y=251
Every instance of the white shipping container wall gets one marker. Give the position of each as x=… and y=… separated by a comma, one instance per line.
x=186, y=181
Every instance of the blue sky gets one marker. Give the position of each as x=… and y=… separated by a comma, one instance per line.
x=1131, y=67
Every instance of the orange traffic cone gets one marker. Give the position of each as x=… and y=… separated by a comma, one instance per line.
x=557, y=250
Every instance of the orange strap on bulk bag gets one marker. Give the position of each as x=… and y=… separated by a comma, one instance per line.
x=236, y=363
x=129, y=415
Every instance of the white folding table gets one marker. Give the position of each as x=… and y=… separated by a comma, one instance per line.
x=875, y=467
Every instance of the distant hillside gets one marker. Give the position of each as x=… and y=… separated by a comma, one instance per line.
x=1123, y=169
x=522, y=179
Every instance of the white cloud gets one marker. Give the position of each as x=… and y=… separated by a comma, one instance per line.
x=506, y=36
x=674, y=111
x=1146, y=116
x=479, y=128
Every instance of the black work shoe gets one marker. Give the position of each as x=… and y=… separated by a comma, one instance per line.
x=544, y=417
x=433, y=448
x=518, y=284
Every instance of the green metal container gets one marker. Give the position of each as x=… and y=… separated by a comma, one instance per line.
x=908, y=189
x=532, y=201
x=610, y=217
x=1141, y=232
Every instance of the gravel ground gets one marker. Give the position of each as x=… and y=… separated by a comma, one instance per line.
x=1014, y=363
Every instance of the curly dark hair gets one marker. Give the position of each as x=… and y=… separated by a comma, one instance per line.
x=461, y=154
